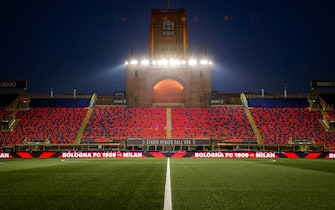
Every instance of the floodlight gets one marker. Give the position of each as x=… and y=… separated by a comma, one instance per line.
x=192, y=62
x=165, y=62
x=174, y=62
x=133, y=62
x=204, y=62
x=145, y=62
x=169, y=62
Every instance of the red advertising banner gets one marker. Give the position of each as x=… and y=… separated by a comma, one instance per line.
x=157, y=154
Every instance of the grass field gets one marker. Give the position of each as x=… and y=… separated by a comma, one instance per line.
x=140, y=183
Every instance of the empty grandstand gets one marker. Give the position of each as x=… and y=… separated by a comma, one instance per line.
x=261, y=123
x=168, y=105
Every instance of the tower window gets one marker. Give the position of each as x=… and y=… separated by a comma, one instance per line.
x=168, y=28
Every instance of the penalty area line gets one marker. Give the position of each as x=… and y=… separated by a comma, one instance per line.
x=167, y=194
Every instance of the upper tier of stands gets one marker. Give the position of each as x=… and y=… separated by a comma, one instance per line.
x=59, y=102
x=277, y=102
x=6, y=99
x=329, y=98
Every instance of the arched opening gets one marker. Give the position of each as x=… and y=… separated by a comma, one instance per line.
x=168, y=91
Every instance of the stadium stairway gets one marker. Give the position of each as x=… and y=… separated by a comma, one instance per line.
x=83, y=125
x=324, y=122
x=13, y=114
x=168, y=123
x=16, y=121
x=253, y=126
x=325, y=115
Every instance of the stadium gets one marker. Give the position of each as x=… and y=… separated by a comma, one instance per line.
x=168, y=140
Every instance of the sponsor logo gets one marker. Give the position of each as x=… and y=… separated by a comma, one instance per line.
x=13, y=84
x=4, y=155
x=8, y=84
x=222, y=155
x=235, y=155
x=265, y=155
x=102, y=155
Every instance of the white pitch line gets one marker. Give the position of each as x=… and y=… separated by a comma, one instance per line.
x=167, y=195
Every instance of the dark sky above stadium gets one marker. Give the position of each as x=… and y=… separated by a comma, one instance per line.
x=83, y=44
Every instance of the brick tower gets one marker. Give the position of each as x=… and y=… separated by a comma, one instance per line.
x=168, y=76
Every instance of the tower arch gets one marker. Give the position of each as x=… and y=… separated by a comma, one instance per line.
x=168, y=91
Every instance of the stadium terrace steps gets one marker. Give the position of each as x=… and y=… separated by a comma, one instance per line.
x=328, y=120
x=168, y=123
x=83, y=126
x=253, y=126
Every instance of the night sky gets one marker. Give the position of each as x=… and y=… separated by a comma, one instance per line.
x=83, y=44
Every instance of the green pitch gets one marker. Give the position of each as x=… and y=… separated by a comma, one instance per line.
x=140, y=183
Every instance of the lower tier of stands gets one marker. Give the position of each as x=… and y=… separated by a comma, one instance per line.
x=287, y=125
x=122, y=123
x=216, y=123
x=60, y=125
x=4, y=113
x=55, y=125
